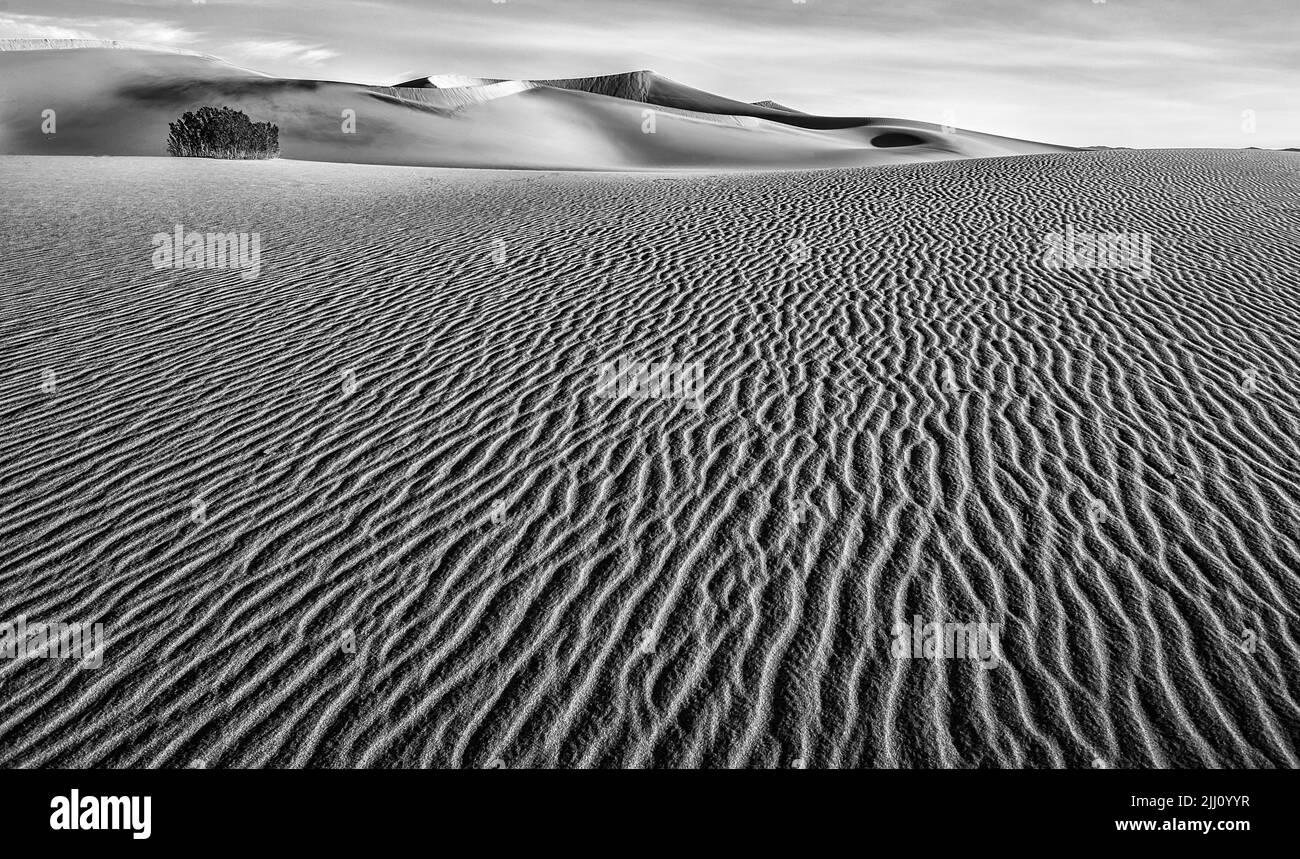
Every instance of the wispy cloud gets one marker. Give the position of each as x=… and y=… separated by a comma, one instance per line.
x=143, y=31
x=280, y=51
x=41, y=27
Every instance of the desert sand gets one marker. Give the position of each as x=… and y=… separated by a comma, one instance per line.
x=111, y=101
x=368, y=508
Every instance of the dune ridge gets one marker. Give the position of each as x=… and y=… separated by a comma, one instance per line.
x=31, y=44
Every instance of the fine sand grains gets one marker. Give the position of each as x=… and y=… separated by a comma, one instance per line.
x=368, y=508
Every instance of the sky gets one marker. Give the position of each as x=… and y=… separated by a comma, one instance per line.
x=1142, y=73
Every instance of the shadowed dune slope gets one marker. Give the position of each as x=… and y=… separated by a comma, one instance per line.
x=653, y=88
x=119, y=102
x=425, y=540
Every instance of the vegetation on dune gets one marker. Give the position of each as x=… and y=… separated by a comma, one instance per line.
x=222, y=132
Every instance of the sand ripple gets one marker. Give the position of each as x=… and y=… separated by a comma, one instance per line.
x=904, y=413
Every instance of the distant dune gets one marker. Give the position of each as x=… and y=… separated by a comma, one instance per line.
x=114, y=101
x=71, y=44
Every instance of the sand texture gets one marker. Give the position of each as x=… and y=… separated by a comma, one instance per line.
x=427, y=541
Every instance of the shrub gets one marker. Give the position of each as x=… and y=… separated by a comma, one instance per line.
x=212, y=132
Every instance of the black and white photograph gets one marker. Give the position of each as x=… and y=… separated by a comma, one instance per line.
x=455, y=385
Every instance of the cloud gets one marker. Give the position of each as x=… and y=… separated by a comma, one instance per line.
x=156, y=32
x=39, y=27
x=144, y=32
x=281, y=51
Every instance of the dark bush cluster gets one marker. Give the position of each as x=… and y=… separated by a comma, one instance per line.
x=212, y=132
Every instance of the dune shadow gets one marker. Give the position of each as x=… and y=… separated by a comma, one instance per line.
x=891, y=139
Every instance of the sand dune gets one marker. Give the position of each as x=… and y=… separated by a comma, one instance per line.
x=649, y=87
x=426, y=541
x=119, y=102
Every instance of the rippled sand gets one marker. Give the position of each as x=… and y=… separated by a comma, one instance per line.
x=367, y=509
